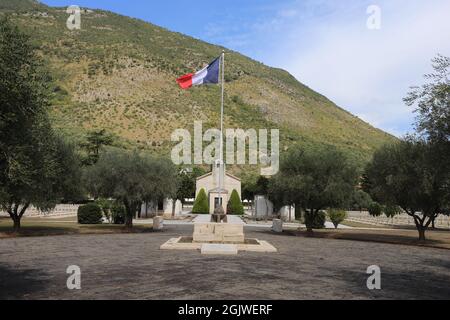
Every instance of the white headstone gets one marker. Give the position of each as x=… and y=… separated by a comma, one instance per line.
x=158, y=223
x=277, y=225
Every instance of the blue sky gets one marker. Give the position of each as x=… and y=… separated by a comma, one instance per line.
x=324, y=43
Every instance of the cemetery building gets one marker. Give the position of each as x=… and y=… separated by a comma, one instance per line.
x=209, y=182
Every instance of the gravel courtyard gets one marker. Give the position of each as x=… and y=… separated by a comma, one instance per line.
x=131, y=266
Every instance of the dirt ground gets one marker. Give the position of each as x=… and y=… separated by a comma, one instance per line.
x=131, y=266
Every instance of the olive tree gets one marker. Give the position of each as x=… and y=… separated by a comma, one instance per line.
x=432, y=102
x=131, y=178
x=315, y=179
x=186, y=185
x=406, y=174
x=37, y=167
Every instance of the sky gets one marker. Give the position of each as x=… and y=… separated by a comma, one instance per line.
x=325, y=44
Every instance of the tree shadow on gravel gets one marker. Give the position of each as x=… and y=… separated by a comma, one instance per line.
x=18, y=284
x=400, y=285
x=439, y=262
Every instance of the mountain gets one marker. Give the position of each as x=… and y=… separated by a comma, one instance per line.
x=119, y=73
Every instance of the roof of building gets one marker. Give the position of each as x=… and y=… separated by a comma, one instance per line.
x=216, y=190
x=210, y=173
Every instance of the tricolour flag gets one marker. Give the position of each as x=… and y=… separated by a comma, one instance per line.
x=209, y=74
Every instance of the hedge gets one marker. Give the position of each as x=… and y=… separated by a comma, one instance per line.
x=234, y=205
x=315, y=222
x=90, y=213
x=201, y=205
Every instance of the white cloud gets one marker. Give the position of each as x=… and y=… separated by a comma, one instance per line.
x=368, y=71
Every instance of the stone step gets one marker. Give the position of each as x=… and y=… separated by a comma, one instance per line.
x=219, y=249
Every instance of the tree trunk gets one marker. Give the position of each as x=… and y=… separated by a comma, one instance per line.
x=174, y=204
x=309, y=222
x=267, y=209
x=421, y=234
x=129, y=220
x=433, y=225
x=16, y=215
x=16, y=221
x=129, y=208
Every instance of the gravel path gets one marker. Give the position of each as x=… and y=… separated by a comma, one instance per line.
x=131, y=266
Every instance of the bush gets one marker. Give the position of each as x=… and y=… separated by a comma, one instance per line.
x=201, y=205
x=391, y=210
x=361, y=200
x=375, y=209
x=90, y=213
x=105, y=205
x=316, y=221
x=118, y=214
x=337, y=216
x=234, y=205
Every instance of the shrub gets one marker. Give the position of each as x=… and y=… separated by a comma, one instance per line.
x=361, y=200
x=375, y=209
x=90, y=213
x=201, y=205
x=105, y=205
x=118, y=214
x=234, y=205
x=391, y=210
x=316, y=221
x=337, y=216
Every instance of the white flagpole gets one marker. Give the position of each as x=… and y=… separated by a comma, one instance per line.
x=221, y=131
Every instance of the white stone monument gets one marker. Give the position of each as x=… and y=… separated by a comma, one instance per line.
x=277, y=225
x=158, y=223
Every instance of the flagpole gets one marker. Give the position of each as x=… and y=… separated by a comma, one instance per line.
x=221, y=132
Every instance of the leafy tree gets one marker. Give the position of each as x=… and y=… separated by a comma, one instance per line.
x=279, y=194
x=186, y=185
x=37, y=167
x=201, y=205
x=391, y=211
x=248, y=188
x=406, y=174
x=361, y=200
x=95, y=141
x=315, y=179
x=432, y=101
x=132, y=179
x=262, y=186
x=375, y=209
x=235, y=206
x=337, y=216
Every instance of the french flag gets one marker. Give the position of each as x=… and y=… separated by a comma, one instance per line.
x=209, y=74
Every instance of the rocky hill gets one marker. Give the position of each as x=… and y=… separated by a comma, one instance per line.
x=119, y=73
